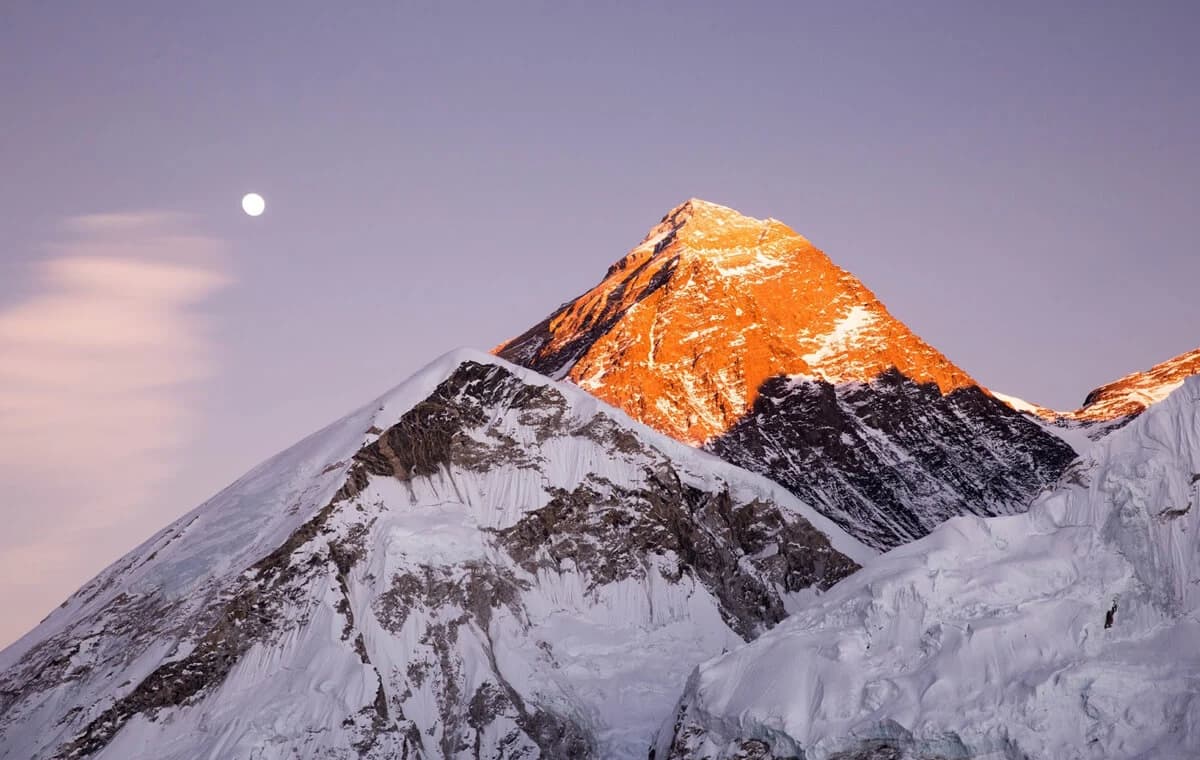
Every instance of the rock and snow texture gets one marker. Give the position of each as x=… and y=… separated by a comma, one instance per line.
x=683, y=331
x=1071, y=631
x=1133, y=393
x=1122, y=399
x=890, y=460
x=483, y=563
x=738, y=335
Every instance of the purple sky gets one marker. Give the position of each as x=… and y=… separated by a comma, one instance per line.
x=1017, y=183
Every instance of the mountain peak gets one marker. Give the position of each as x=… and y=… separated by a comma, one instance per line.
x=711, y=228
x=699, y=211
x=683, y=331
x=739, y=336
x=700, y=208
x=696, y=205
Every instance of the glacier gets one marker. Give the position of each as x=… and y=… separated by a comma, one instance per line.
x=1070, y=631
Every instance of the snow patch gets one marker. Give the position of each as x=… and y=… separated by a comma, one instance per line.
x=840, y=338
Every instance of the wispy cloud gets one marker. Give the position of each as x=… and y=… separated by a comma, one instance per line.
x=98, y=367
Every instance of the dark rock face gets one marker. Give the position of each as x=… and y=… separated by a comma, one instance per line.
x=743, y=553
x=890, y=459
x=527, y=349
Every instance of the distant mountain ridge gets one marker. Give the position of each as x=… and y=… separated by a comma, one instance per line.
x=738, y=335
x=1125, y=397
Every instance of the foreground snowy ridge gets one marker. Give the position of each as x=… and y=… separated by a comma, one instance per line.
x=1067, y=632
x=483, y=563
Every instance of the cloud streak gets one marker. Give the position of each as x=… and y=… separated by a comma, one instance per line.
x=98, y=370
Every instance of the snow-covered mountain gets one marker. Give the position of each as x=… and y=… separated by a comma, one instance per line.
x=1069, y=632
x=738, y=335
x=482, y=563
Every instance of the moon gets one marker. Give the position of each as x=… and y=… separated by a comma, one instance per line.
x=253, y=204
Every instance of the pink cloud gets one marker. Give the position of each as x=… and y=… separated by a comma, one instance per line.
x=98, y=368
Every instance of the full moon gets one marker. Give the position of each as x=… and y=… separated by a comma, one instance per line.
x=253, y=204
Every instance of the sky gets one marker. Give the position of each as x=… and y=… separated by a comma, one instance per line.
x=1017, y=182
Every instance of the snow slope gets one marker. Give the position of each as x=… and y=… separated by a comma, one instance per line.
x=1071, y=631
x=480, y=563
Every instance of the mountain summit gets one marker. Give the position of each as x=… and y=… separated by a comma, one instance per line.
x=683, y=331
x=738, y=335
